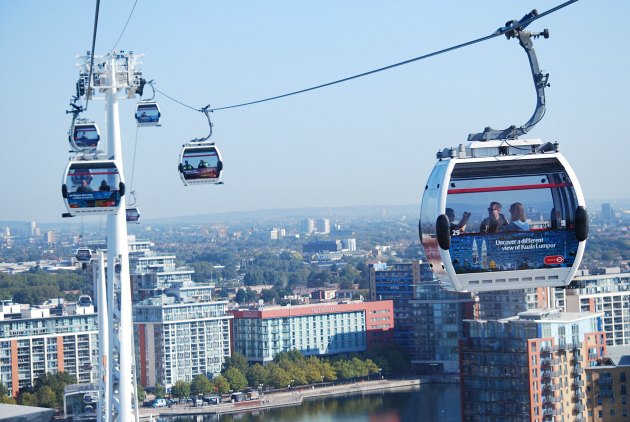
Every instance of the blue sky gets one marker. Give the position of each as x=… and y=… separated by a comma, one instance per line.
x=371, y=141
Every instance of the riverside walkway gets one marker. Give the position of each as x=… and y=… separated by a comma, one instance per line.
x=291, y=397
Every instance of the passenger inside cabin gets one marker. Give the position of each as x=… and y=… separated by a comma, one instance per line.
x=494, y=221
x=104, y=187
x=84, y=188
x=518, y=219
x=459, y=227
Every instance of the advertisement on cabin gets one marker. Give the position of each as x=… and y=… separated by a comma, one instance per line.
x=509, y=251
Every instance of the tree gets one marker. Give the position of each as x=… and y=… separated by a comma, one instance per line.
x=221, y=384
x=278, y=377
x=27, y=399
x=371, y=367
x=236, y=378
x=327, y=371
x=159, y=391
x=56, y=383
x=359, y=369
x=4, y=395
x=343, y=369
x=311, y=370
x=238, y=361
x=200, y=385
x=46, y=397
x=241, y=296
x=270, y=296
x=181, y=389
x=318, y=278
x=256, y=375
x=141, y=392
x=251, y=295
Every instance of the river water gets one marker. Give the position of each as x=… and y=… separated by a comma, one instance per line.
x=435, y=402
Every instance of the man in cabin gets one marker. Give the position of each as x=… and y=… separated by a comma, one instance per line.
x=457, y=228
x=494, y=221
x=84, y=188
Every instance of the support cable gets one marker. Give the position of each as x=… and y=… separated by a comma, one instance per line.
x=501, y=31
x=125, y=27
x=89, y=87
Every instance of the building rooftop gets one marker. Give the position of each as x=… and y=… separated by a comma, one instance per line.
x=619, y=355
x=550, y=315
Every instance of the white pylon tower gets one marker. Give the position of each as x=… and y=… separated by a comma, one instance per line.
x=114, y=75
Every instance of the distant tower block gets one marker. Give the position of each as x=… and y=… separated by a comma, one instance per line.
x=308, y=226
x=323, y=226
x=349, y=244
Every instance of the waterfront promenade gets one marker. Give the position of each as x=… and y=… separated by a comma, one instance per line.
x=291, y=397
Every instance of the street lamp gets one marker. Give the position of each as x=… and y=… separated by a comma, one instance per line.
x=379, y=373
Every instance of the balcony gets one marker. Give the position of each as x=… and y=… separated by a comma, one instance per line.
x=577, y=358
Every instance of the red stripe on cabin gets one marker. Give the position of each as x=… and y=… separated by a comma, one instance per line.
x=212, y=154
x=93, y=173
x=504, y=188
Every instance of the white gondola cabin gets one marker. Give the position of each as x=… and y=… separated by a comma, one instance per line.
x=92, y=187
x=132, y=215
x=500, y=215
x=200, y=163
x=83, y=254
x=148, y=114
x=84, y=136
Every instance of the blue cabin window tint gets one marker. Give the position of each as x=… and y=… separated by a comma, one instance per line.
x=93, y=185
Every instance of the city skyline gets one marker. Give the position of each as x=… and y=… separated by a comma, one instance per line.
x=367, y=142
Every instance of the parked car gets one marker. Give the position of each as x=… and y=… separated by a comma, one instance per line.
x=159, y=403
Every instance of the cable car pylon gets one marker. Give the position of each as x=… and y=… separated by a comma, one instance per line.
x=115, y=74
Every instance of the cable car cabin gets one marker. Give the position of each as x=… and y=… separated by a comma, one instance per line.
x=499, y=215
x=148, y=114
x=133, y=215
x=92, y=187
x=200, y=162
x=83, y=255
x=85, y=300
x=85, y=136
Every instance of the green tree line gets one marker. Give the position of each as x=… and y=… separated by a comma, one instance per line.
x=36, y=286
x=47, y=391
x=287, y=369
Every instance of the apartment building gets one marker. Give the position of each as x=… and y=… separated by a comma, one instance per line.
x=529, y=367
x=428, y=318
x=608, y=293
x=34, y=341
x=319, y=329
